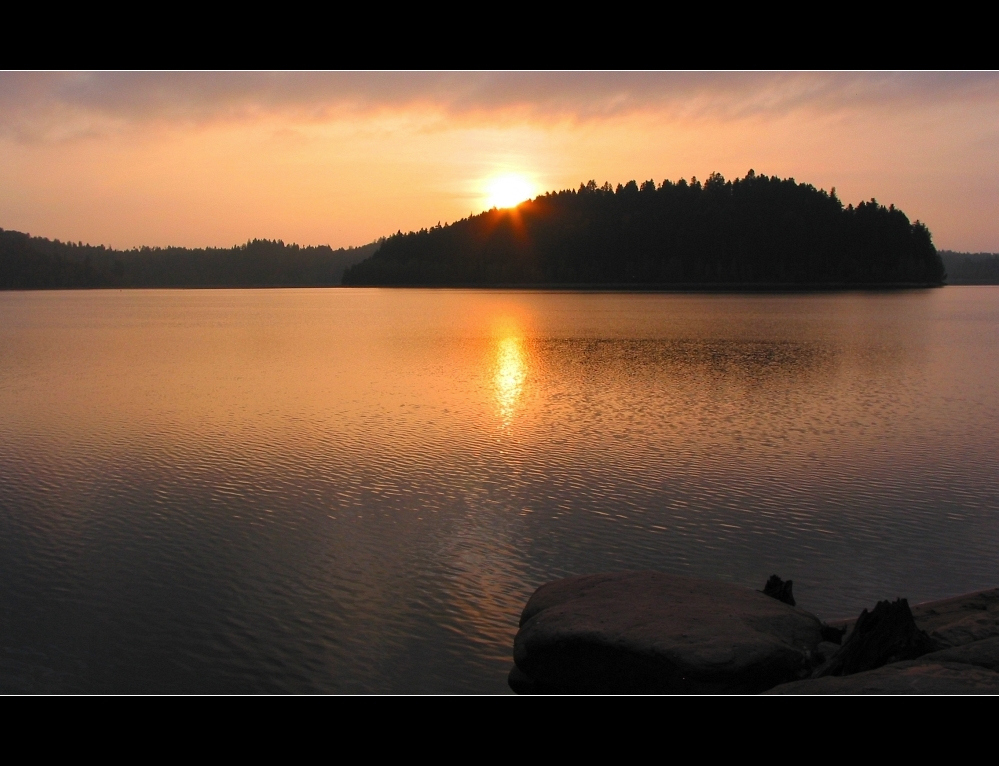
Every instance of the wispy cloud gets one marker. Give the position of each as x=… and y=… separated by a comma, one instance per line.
x=343, y=157
x=52, y=106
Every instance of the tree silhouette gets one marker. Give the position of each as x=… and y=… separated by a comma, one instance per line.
x=756, y=230
x=28, y=262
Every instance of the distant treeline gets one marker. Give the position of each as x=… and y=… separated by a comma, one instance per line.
x=33, y=263
x=971, y=268
x=757, y=230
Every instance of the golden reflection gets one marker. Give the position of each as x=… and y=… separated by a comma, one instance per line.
x=511, y=370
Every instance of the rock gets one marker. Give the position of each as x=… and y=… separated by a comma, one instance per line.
x=969, y=623
x=984, y=654
x=912, y=677
x=962, y=619
x=888, y=634
x=953, y=621
x=824, y=651
x=520, y=683
x=833, y=634
x=779, y=589
x=649, y=632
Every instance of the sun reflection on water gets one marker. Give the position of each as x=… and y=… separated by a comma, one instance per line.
x=511, y=370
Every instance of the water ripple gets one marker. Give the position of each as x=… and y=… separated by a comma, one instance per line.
x=357, y=490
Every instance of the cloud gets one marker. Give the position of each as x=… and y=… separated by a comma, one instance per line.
x=53, y=106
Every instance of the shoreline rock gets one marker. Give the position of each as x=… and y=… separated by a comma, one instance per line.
x=910, y=677
x=654, y=633
x=650, y=632
x=955, y=620
x=967, y=626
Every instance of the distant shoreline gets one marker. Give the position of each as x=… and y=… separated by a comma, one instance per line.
x=540, y=287
x=709, y=287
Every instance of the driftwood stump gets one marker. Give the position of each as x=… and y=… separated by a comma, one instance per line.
x=779, y=589
x=888, y=634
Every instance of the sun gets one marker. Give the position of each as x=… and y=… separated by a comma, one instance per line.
x=508, y=190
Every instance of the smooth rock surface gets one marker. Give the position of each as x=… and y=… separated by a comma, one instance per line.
x=825, y=650
x=962, y=619
x=984, y=654
x=649, y=632
x=922, y=676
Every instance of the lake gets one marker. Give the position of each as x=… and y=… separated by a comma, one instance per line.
x=352, y=490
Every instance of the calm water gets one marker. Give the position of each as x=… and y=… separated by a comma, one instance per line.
x=357, y=490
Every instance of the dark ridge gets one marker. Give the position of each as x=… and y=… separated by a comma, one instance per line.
x=752, y=232
x=35, y=263
x=971, y=268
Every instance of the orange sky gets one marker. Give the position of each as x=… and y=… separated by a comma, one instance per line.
x=343, y=158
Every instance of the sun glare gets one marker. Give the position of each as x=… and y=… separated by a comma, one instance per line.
x=508, y=191
x=511, y=370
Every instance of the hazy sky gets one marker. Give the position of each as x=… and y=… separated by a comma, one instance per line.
x=343, y=158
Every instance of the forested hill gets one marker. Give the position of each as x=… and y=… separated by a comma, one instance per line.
x=31, y=263
x=971, y=268
x=757, y=230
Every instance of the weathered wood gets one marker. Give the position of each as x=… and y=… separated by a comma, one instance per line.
x=887, y=634
x=779, y=589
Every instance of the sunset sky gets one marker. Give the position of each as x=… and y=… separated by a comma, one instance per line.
x=215, y=159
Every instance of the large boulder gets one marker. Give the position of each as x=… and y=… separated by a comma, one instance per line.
x=649, y=632
x=922, y=676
